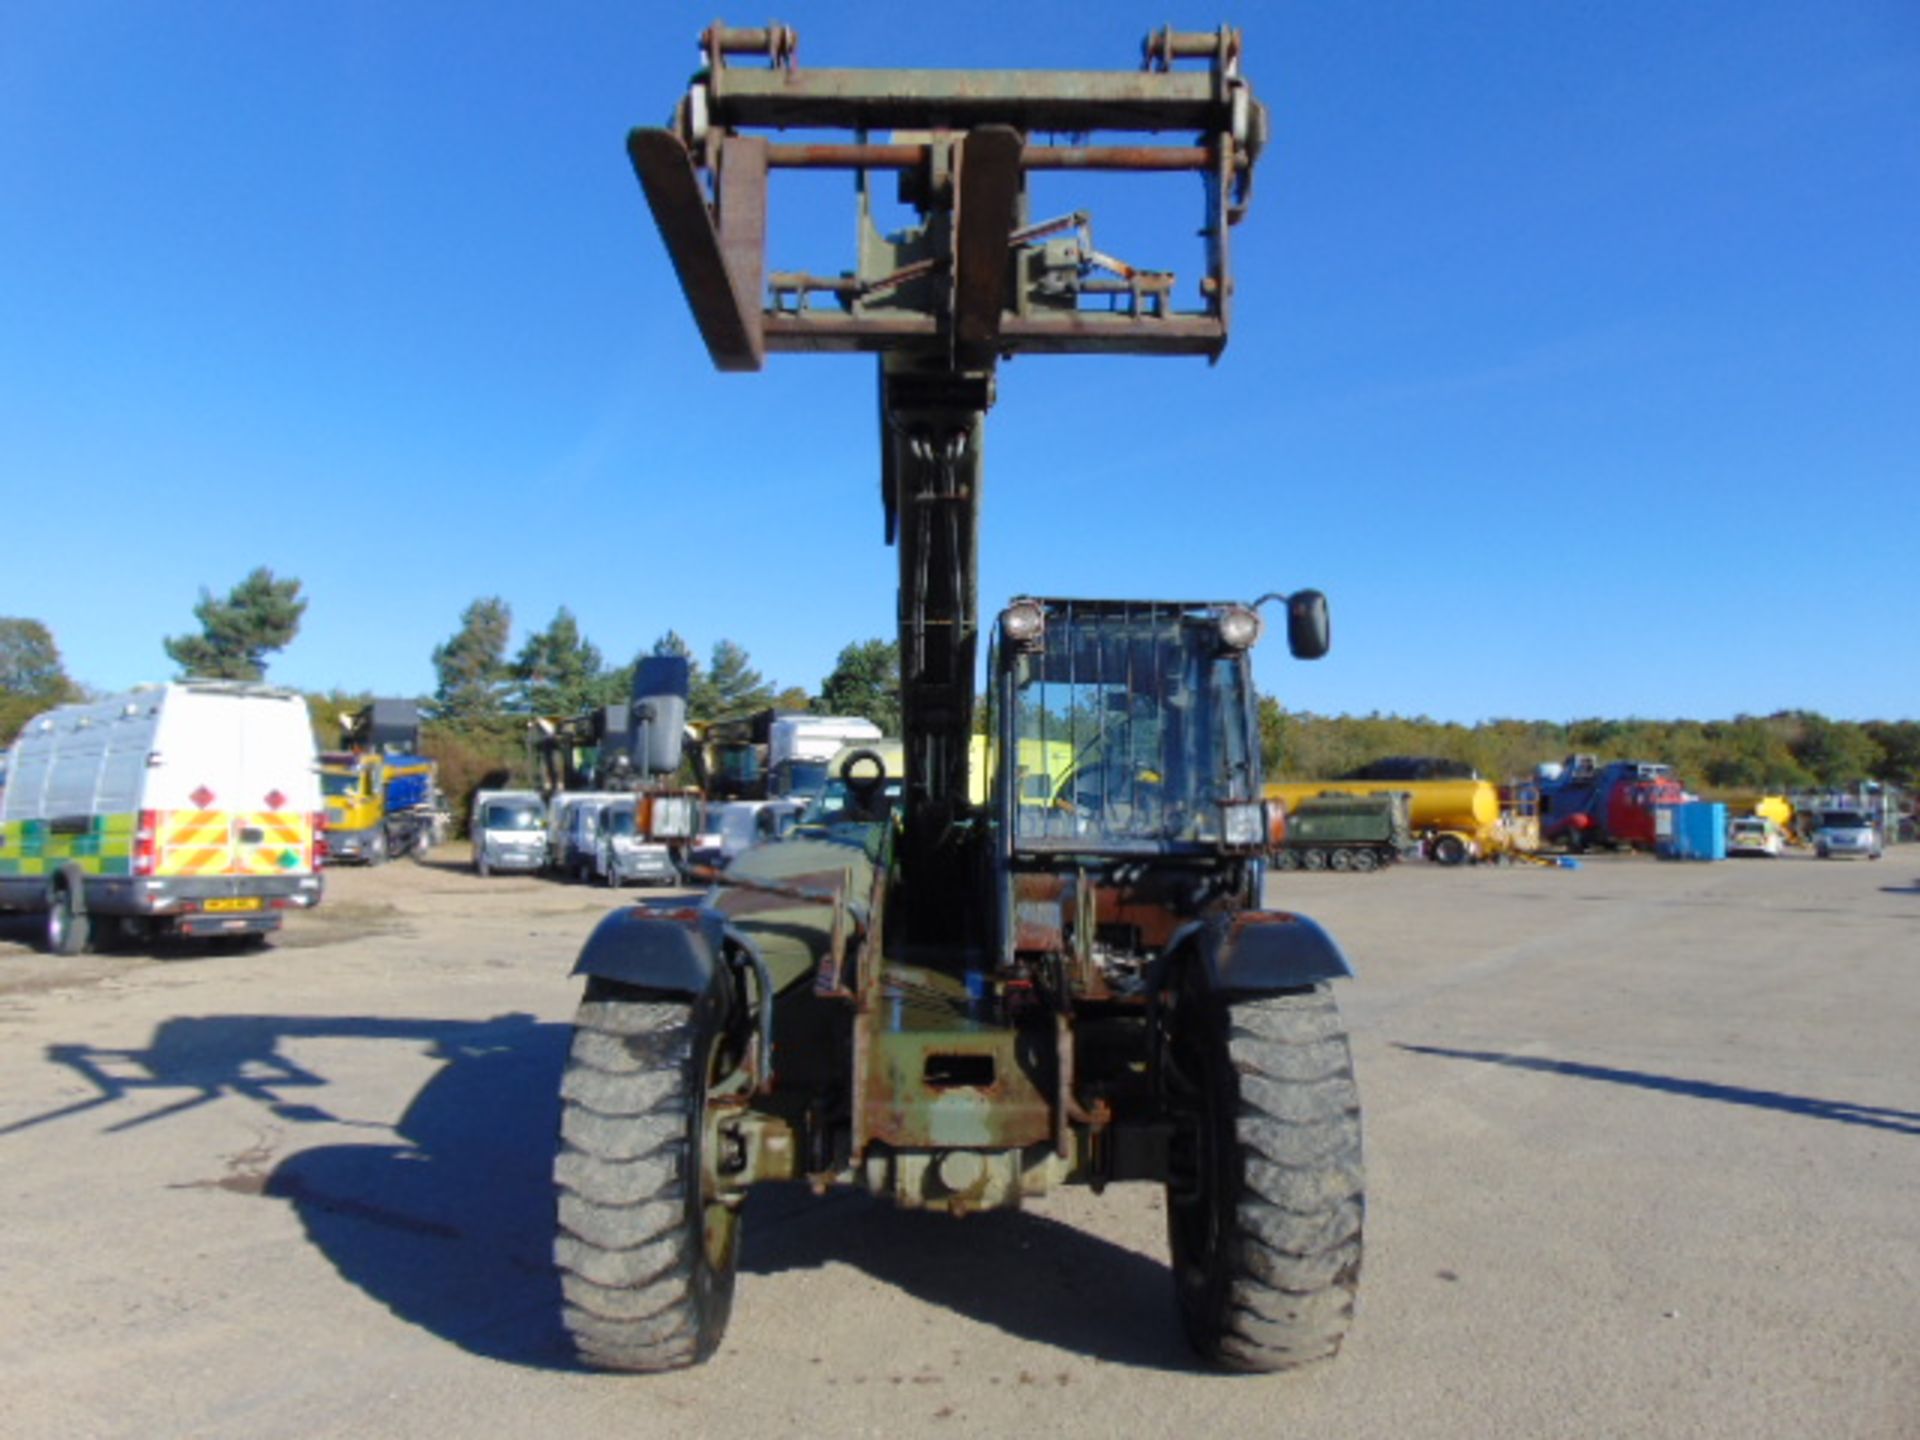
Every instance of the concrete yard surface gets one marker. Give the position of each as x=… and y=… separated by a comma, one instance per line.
x=1643, y=1147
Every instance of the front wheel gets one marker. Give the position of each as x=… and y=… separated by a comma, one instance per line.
x=646, y=1242
x=377, y=846
x=1266, y=1190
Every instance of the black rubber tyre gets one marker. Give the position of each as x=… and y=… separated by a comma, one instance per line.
x=646, y=1256
x=1340, y=860
x=1284, y=859
x=1313, y=859
x=1266, y=1194
x=1449, y=850
x=1363, y=861
x=69, y=926
x=481, y=868
x=377, y=846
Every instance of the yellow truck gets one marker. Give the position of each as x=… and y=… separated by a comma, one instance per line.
x=382, y=799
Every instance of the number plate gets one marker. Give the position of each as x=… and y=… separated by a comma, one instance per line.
x=245, y=903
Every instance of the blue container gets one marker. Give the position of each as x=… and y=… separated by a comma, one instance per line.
x=1701, y=830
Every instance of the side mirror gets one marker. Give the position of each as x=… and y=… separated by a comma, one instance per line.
x=1309, y=627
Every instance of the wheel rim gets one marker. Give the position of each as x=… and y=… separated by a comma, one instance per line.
x=1340, y=860
x=1363, y=860
x=57, y=922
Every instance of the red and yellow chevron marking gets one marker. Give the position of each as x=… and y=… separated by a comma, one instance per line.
x=194, y=842
x=207, y=860
x=207, y=842
x=194, y=827
x=282, y=847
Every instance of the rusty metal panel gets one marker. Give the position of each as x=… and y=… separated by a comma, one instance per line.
x=934, y=1077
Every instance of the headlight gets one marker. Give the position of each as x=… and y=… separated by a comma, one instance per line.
x=1239, y=628
x=1024, y=624
x=1243, y=826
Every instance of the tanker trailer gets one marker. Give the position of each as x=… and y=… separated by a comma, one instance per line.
x=1453, y=820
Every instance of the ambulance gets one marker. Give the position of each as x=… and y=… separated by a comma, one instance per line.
x=185, y=809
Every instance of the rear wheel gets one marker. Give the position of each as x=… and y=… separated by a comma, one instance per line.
x=69, y=927
x=1285, y=860
x=646, y=1244
x=1266, y=1192
x=1340, y=860
x=1313, y=860
x=1449, y=849
x=1365, y=860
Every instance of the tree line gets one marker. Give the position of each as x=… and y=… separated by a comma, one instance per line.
x=484, y=696
x=476, y=718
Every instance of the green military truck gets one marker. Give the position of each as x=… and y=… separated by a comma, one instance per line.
x=1346, y=832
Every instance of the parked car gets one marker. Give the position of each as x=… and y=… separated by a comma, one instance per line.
x=736, y=826
x=1755, y=835
x=620, y=855
x=1846, y=832
x=509, y=830
x=574, y=831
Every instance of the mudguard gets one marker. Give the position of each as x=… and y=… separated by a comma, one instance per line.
x=1258, y=952
x=675, y=949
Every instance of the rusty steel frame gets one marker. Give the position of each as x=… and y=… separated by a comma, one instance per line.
x=716, y=232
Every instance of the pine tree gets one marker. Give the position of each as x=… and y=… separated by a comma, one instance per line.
x=472, y=665
x=259, y=615
x=558, y=670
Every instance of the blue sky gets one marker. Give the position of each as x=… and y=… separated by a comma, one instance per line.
x=1577, y=350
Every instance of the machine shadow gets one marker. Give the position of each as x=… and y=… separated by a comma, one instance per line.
x=1021, y=1272
x=1877, y=1117
x=452, y=1229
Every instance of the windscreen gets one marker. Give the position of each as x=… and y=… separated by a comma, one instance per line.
x=806, y=777
x=512, y=815
x=1129, y=730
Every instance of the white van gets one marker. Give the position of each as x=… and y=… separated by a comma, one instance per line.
x=509, y=831
x=184, y=809
x=572, y=829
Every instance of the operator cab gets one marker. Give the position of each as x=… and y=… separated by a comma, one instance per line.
x=1130, y=728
